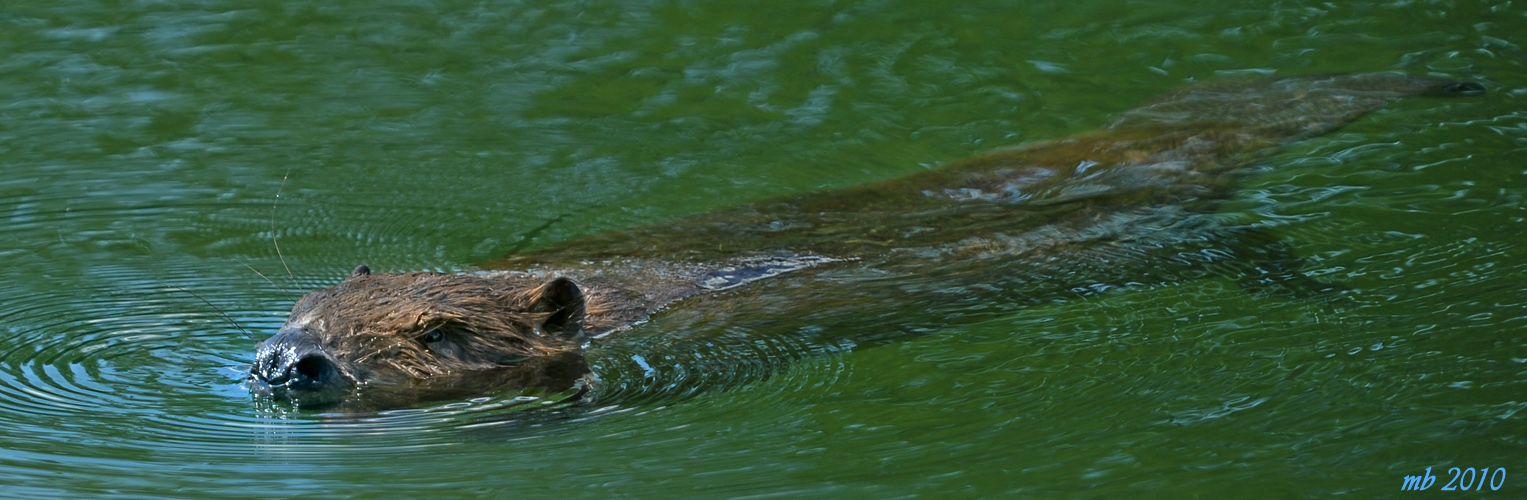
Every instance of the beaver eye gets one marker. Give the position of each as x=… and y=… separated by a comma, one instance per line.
x=433, y=336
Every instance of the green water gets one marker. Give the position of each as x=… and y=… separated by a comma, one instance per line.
x=149, y=146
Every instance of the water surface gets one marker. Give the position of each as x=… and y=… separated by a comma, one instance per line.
x=154, y=150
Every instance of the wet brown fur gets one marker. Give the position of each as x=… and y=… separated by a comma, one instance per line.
x=412, y=327
x=383, y=322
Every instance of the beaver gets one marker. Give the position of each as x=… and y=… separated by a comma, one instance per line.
x=525, y=320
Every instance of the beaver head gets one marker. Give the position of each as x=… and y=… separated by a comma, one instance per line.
x=423, y=331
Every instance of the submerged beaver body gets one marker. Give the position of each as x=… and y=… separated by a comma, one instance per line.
x=1025, y=214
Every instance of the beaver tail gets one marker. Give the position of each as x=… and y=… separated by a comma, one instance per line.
x=1283, y=108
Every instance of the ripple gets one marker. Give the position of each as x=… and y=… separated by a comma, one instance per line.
x=668, y=367
x=146, y=142
x=164, y=370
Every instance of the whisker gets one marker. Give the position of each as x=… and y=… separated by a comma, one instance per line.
x=219, y=311
x=273, y=239
x=262, y=275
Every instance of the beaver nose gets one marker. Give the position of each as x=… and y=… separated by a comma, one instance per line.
x=310, y=371
x=293, y=360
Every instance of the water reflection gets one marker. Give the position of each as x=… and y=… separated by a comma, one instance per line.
x=143, y=143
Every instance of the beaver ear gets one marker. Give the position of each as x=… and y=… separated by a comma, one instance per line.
x=564, y=300
x=359, y=271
